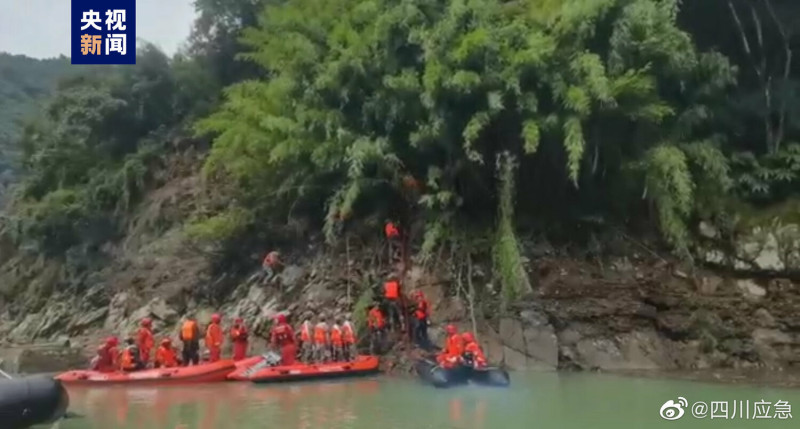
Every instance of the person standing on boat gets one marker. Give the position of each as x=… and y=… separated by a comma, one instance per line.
x=321, y=340
x=145, y=341
x=214, y=338
x=377, y=328
x=421, y=317
x=165, y=355
x=306, y=343
x=282, y=338
x=348, y=339
x=239, y=337
x=337, y=343
x=473, y=352
x=190, y=335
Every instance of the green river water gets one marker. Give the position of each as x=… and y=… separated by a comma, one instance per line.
x=535, y=400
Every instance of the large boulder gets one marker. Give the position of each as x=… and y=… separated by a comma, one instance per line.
x=530, y=337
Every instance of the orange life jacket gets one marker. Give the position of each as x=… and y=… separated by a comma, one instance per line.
x=321, y=333
x=166, y=358
x=422, y=309
x=144, y=339
x=391, y=231
x=305, y=332
x=105, y=361
x=214, y=336
x=127, y=361
x=348, y=336
x=391, y=289
x=189, y=331
x=477, y=353
x=455, y=345
x=375, y=319
x=336, y=335
x=239, y=334
x=282, y=335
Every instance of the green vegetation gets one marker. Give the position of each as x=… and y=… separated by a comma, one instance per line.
x=467, y=114
x=24, y=82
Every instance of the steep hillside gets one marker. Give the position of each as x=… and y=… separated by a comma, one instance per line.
x=24, y=83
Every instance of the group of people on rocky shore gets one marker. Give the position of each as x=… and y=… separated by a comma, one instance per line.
x=314, y=340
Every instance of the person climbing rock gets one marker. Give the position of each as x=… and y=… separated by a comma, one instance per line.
x=453, y=349
x=129, y=358
x=337, y=343
x=391, y=296
x=239, y=337
x=270, y=265
x=377, y=329
x=282, y=338
x=214, y=338
x=306, y=340
x=421, y=318
x=473, y=353
x=145, y=341
x=348, y=339
x=190, y=336
x=321, y=340
x=165, y=355
x=393, y=239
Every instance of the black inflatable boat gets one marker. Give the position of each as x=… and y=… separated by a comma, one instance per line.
x=29, y=401
x=431, y=373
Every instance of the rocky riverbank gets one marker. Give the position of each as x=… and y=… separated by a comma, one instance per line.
x=624, y=308
x=620, y=314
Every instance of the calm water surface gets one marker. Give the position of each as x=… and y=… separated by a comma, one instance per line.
x=535, y=400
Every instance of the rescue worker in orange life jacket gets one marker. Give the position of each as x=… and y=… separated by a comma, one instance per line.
x=453, y=349
x=473, y=354
x=145, y=341
x=130, y=357
x=239, y=336
x=214, y=338
x=282, y=338
x=348, y=339
x=306, y=339
x=106, y=359
x=337, y=343
x=166, y=356
x=421, y=320
x=391, y=295
x=321, y=340
x=190, y=336
x=393, y=239
x=377, y=328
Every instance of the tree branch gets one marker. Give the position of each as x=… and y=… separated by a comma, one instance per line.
x=787, y=66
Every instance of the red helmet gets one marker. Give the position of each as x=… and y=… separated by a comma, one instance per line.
x=215, y=318
x=146, y=322
x=166, y=342
x=238, y=321
x=419, y=294
x=112, y=341
x=468, y=337
x=450, y=329
x=281, y=318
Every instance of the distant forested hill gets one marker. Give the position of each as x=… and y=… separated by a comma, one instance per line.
x=24, y=82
